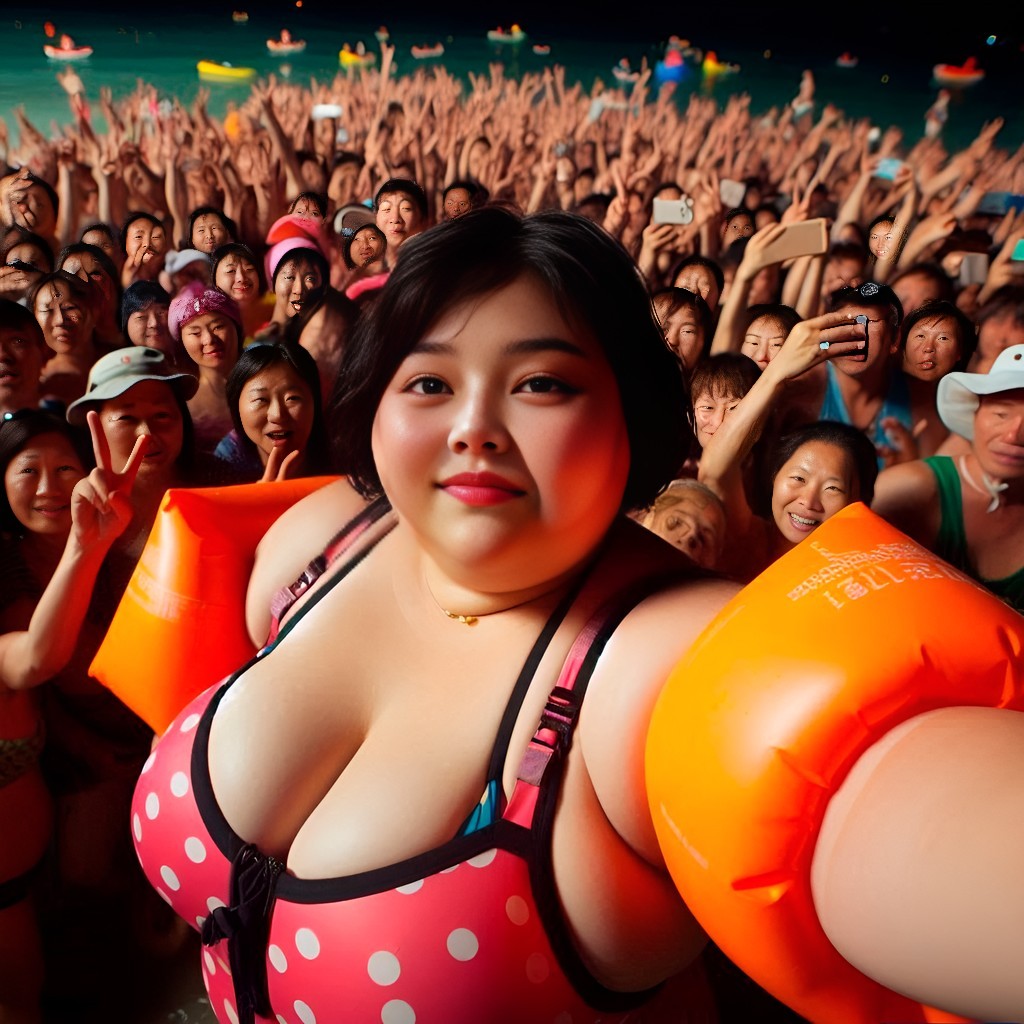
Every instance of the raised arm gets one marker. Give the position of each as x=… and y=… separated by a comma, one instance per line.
x=100, y=510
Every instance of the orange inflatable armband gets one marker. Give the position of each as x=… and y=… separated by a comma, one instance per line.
x=852, y=632
x=180, y=625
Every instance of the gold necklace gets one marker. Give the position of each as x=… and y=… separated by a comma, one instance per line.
x=472, y=620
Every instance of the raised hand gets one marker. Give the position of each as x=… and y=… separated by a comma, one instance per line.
x=278, y=466
x=101, y=505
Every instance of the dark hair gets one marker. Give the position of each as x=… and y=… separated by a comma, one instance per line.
x=79, y=289
x=406, y=185
x=81, y=248
x=260, y=356
x=870, y=293
x=697, y=260
x=595, y=284
x=1005, y=301
x=726, y=373
x=934, y=273
x=20, y=318
x=141, y=295
x=203, y=211
x=477, y=193
x=100, y=226
x=137, y=215
x=854, y=442
x=318, y=199
x=679, y=298
x=346, y=245
x=787, y=316
x=222, y=252
x=16, y=430
x=19, y=236
x=967, y=333
x=738, y=211
x=304, y=252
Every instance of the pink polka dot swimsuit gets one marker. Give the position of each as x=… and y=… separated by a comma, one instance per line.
x=469, y=932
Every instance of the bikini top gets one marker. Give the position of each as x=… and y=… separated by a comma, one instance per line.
x=469, y=930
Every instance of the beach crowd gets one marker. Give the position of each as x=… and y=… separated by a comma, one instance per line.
x=844, y=306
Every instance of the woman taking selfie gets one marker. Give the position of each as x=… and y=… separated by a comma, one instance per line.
x=452, y=823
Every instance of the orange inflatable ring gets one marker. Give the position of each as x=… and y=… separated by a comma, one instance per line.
x=852, y=632
x=180, y=625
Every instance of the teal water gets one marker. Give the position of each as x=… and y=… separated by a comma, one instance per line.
x=890, y=86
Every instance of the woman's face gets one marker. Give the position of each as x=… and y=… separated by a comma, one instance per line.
x=209, y=232
x=932, y=348
x=148, y=326
x=211, y=341
x=880, y=239
x=711, y=411
x=296, y=279
x=995, y=334
x=763, y=340
x=148, y=407
x=817, y=481
x=103, y=241
x=276, y=410
x=39, y=481
x=144, y=234
x=239, y=278
x=67, y=322
x=683, y=331
x=367, y=246
x=398, y=217
x=305, y=207
x=87, y=268
x=478, y=437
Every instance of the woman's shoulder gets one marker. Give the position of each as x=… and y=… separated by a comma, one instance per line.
x=294, y=539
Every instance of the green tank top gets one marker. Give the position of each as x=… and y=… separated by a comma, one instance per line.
x=951, y=541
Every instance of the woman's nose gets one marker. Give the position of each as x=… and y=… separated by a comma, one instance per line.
x=477, y=428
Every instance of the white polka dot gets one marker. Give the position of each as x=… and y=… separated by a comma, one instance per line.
x=304, y=1013
x=179, y=783
x=229, y=1010
x=277, y=959
x=137, y=827
x=397, y=1011
x=211, y=965
x=383, y=968
x=194, y=850
x=481, y=860
x=463, y=944
x=190, y=723
x=162, y=895
x=170, y=878
x=537, y=968
x=408, y=890
x=281, y=1020
x=152, y=806
x=518, y=910
x=150, y=761
x=307, y=943
x=213, y=903
x=448, y=871
x=200, y=921
x=223, y=966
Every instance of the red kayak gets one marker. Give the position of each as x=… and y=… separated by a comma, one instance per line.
x=958, y=74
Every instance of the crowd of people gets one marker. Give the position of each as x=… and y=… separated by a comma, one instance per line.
x=348, y=280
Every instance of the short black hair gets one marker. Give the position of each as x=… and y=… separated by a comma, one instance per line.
x=850, y=439
x=407, y=186
x=258, y=357
x=593, y=280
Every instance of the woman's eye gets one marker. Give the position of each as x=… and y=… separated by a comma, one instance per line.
x=546, y=386
x=428, y=386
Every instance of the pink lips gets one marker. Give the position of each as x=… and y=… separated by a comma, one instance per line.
x=481, y=489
